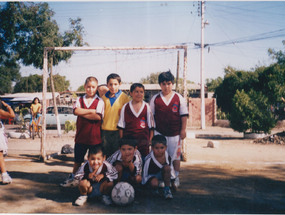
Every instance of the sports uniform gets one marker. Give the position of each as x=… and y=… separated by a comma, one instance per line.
x=137, y=161
x=109, y=172
x=152, y=168
x=88, y=132
x=137, y=125
x=167, y=115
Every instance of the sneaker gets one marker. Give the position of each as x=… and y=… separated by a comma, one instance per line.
x=167, y=193
x=81, y=200
x=161, y=184
x=176, y=182
x=70, y=182
x=106, y=200
x=6, y=179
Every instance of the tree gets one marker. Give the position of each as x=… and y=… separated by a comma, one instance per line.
x=234, y=80
x=212, y=84
x=81, y=88
x=251, y=113
x=34, y=83
x=151, y=79
x=60, y=83
x=25, y=29
x=31, y=83
x=28, y=27
x=7, y=75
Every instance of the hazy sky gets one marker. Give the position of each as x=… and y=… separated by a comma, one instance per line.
x=239, y=34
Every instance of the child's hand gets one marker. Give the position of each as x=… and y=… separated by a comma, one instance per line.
x=126, y=161
x=98, y=178
x=182, y=134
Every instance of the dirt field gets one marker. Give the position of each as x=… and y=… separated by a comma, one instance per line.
x=237, y=177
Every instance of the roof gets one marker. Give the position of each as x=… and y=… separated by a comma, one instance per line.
x=28, y=96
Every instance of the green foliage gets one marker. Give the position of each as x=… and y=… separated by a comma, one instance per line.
x=81, y=88
x=69, y=126
x=34, y=83
x=212, y=84
x=60, y=83
x=234, y=80
x=7, y=76
x=151, y=79
x=28, y=27
x=251, y=113
x=31, y=83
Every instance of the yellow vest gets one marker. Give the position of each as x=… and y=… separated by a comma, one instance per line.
x=112, y=113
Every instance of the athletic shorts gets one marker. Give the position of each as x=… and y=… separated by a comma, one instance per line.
x=95, y=190
x=158, y=176
x=80, y=151
x=174, y=145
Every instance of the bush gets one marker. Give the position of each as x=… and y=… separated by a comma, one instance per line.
x=69, y=125
x=251, y=113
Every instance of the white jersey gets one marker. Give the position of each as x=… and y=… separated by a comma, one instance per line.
x=137, y=160
x=106, y=168
x=152, y=167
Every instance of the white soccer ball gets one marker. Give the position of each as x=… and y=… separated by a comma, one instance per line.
x=123, y=193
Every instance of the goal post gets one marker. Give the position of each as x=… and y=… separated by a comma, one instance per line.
x=45, y=78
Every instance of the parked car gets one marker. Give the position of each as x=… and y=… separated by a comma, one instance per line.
x=64, y=112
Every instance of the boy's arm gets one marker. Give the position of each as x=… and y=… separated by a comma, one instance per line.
x=183, y=127
x=87, y=113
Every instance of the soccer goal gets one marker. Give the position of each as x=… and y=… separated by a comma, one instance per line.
x=44, y=153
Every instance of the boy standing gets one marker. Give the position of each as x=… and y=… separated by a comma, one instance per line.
x=136, y=119
x=114, y=100
x=158, y=167
x=90, y=111
x=170, y=113
x=96, y=178
x=127, y=161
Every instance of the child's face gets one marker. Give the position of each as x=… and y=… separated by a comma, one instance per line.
x=36, y=101
x=96, y=160
x=113, y=85
x=90, y=88
x=158, y=150
x=166, y=87
x=127, y=152
x=137, y=94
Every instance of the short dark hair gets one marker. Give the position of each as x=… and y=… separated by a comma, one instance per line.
x=135, y=85
x=90, y=78
x=35, y=100
x=165, y=76
x=95, y=150
x=158, y=139
x=114, y=76
x=128, y=140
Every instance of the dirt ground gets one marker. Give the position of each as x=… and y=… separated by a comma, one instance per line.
x=238, y=176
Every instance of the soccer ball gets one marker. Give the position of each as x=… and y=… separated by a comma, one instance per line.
x=123, y=193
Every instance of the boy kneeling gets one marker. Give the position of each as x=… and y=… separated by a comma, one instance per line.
x=127, y=161
x=158, y=167
x=97, y=176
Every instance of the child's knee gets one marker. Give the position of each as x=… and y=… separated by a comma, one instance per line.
x=154, y=182
x=119, y=167
x=166, y=169
x=84, y=184
x=138, y=179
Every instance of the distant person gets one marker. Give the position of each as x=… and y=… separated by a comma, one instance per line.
x=136, y=119
x=114, y=100
x=96, y=178
x=90, y=112
x=158, y=167
x=36, y=111
x=128, y=162
x=4, y=114
x=170, y=113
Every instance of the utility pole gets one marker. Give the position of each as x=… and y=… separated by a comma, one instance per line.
x=202, y=91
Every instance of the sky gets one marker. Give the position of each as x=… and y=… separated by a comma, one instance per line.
x=238, y=34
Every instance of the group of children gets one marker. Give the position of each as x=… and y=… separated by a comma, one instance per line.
x=117, y=133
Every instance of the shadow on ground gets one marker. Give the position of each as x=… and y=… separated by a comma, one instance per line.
x=204, y=189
